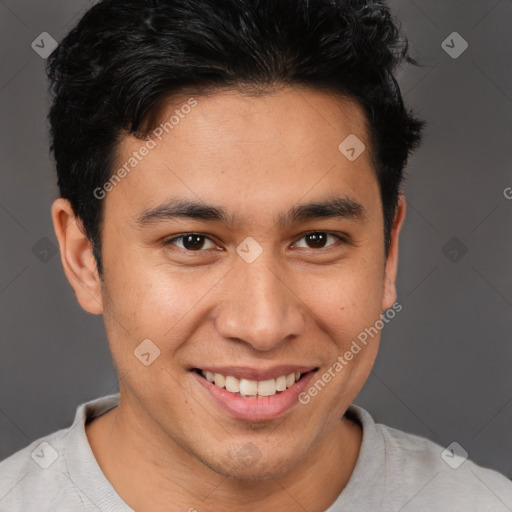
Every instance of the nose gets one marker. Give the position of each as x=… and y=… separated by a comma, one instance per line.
x=259, y=306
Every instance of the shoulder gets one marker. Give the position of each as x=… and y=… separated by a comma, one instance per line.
x=412, y=473
x=43, y=475
x=34, y=478
x=445, y=476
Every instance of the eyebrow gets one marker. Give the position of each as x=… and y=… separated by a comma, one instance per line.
x=334, y=207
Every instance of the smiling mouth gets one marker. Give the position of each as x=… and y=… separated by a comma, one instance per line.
x=247, y=388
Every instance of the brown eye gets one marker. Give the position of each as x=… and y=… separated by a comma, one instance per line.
x=318, y=240
x=191, y=242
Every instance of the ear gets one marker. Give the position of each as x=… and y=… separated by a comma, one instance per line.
x=77, y=258
x=391, y=267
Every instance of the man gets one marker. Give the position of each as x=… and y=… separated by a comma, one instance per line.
x=230, y=175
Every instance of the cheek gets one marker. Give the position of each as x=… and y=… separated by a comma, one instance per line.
x=161, y=306
x=156, y=300
x=346, y=299
x=346, y=306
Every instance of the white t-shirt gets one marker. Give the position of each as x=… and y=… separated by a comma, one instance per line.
x=395, y=471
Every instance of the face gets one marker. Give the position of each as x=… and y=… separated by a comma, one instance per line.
x=251, y=287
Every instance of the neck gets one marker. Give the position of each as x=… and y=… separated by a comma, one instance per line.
x=149, y=470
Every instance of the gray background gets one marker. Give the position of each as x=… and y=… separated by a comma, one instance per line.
x=444, y=367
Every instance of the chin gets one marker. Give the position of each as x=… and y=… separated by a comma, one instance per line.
x=248, y=463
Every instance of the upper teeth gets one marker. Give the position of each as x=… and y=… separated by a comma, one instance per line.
x=248, y=387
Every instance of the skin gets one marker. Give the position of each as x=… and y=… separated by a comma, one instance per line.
x=168, y=442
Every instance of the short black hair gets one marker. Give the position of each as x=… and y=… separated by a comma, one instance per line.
x=113, y=72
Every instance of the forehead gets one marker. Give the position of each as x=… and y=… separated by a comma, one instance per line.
x=250, y=151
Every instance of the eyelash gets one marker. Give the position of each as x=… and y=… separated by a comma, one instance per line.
x=341, y=238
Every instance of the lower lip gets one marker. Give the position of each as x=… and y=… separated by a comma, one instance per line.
x=255, y=409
